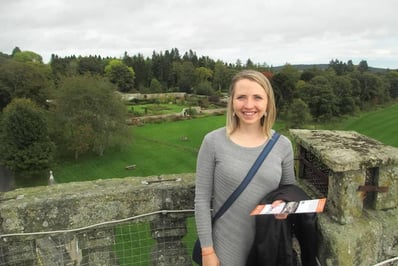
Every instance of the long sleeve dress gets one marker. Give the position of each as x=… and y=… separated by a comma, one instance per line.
x=221, y=166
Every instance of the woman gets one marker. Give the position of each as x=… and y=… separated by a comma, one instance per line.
x=225, y=157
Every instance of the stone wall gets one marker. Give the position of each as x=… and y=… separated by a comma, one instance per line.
x=358, y=226
x=81, y=204
x=139, y=96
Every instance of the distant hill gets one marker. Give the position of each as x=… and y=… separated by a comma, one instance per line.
x=304, y=67
x=323, y=67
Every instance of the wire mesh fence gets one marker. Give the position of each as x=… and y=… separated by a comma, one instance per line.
x=159, y=238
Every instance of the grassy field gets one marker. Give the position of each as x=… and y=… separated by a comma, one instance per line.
x=155, y=149
x=172, y=147
x=381, y=124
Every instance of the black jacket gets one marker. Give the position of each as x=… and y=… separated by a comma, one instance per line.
x=273, y=241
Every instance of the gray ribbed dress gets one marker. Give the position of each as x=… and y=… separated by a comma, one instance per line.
x=221, y=166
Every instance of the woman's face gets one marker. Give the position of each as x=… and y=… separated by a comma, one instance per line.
x=249, y=101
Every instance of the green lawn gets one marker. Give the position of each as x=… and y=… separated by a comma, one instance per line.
x=172, y=147
x=381, y=124
x=164, y=148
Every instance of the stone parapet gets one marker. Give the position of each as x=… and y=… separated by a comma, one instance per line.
x=359, y=172
x=359, y=177
x=77, y=205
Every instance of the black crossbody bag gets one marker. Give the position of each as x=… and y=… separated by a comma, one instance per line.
x=197, y=250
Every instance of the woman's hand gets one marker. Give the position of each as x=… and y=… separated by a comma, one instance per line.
x=209, y=257
x=280, y=216
x=210, y=260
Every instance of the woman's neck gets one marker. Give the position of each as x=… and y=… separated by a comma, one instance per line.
x=251, y=136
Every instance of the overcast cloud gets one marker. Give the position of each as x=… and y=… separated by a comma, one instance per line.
x=274, y=32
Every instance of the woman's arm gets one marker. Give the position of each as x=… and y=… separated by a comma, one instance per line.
x=288, y=175
x=203, y=191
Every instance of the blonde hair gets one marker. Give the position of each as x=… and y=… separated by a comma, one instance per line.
x=267, y=122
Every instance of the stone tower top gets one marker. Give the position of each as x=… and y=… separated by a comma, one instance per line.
x=342, y=151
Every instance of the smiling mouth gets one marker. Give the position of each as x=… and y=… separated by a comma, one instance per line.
x=249, y=113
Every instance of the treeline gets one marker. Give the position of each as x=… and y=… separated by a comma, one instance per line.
x=167, y=71
x=69, y=104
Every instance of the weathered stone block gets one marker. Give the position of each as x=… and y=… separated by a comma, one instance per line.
x=362, y=172
x=73, y=206
x=344, y=200
x=388, y=177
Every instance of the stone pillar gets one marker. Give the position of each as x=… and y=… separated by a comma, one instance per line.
x=358, y=225
x=49, y=252
x=168, y=231
x=362, y=171
x=98, y=245
x=17, y=252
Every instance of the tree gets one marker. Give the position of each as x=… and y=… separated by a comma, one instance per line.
x=175, y=73
x=90, y=64
x=187, y=79
x=25, y=80
x=342, y=88
x=350, y=66
x=162, y=66
x=91, y=114
x=363, y=66
x=62, y=67
x=284, y=88
x=203, y=74
x=121, y=75
x=392, y=77
x=284, y=84
x=250, y=64
x=155, y=86
x=5, y=97
x=298, y=114
x=141, y=67
x=15, y=50
x=309, y=73
x=25, y=143
x=205, y=61
x=338, y=66
x=373, y=89
x=204, y=88
x=27, y=56
x=320, y=98
x=191, y=56
x=222, y=76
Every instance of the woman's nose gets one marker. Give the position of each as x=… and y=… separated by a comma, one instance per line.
x=249, y=103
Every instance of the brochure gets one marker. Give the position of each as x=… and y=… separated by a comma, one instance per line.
x=304, y=206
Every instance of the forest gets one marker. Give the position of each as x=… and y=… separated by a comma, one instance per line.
x=70, y=104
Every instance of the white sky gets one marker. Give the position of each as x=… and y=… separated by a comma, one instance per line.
x=274, y=32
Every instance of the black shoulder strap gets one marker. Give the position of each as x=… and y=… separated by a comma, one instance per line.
x=260, y=159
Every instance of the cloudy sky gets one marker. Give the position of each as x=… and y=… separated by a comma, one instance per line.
x=274, y=32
